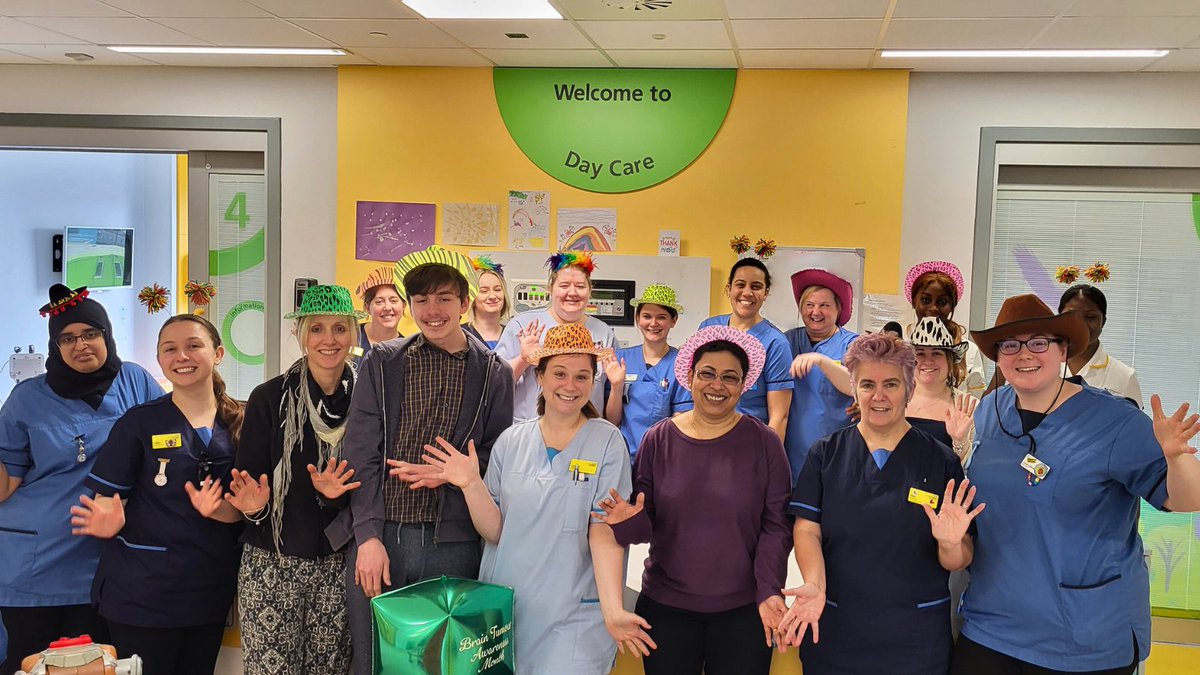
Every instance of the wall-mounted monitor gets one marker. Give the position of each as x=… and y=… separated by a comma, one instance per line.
x=98, y=257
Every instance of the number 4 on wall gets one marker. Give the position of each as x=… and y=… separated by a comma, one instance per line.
x=236, y=211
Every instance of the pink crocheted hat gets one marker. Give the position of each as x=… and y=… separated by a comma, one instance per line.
x=749, y=344
x=948, y=268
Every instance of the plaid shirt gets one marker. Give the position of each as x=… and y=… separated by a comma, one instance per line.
x=433, y=391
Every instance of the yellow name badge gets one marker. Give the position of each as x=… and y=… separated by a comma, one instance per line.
x=166, y=441
x=583, y=467
x=922, y=497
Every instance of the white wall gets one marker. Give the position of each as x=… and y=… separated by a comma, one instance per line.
x=304, y=98
x=947, y=110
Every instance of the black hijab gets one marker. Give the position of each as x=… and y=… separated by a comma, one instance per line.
x=65, y=308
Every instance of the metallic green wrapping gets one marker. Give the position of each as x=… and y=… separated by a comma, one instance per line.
x=446, y=626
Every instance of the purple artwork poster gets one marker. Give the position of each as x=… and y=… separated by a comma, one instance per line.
x=387, y=231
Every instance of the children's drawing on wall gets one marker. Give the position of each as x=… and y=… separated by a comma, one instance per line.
x=471, y=224
x=387, y=231
x=528, y=220
x=587, y=229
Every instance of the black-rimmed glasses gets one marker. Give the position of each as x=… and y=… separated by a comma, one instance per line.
x=67, y=340
x=1036, y=345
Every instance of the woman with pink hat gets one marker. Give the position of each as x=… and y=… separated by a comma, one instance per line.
x=934, y=288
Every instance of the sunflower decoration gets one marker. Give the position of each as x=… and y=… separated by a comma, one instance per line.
x=1097, y=273
x=1067, y=275
x=199, y=294
x=764, y=248
x=154, y=297
x=740, y=244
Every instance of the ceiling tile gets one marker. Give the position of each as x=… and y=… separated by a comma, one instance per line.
x=1180, y=60
x=637, y=34
x=547, y=58
x=261, y=61
x=973, y=9
x=674, y=58
x=1014, y=65
x=1122, y=32
x=543, y=34
x=58, y=8
x=7, y=57
x=394, y=56
x=806, y=33
x=100, y=55
x=805, y=58
x=152, y=9
x=401, y=33
x=336, y=9
x=103, y=30
x=807, y=9
x=1138, y=8
x=13, y=31
x=642, y=10
x=247, y=32
x=962, y=33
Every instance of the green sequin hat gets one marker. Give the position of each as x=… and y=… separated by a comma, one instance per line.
x=327, y=300
x=436, y=255
x=658, y=294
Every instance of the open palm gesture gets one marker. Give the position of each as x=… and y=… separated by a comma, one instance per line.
x=101, y=517
x=457, y=468
x=207, y=498
x=1174, y=432
x=531, y=338
x=616, y=509
x=334, y=481
x=246, y=494
x=949, y=525
x=807, y=605
x=614, y=370
x=960, y=418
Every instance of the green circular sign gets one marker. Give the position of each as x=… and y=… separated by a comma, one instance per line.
x=612, y=130
x=227, y=332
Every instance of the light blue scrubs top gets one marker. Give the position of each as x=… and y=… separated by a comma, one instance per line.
x=526, y=389
x=777, y=372
x=41, y=563
x=651, y=394
x=543, y=553
x=818, y=408
x=1058, y=578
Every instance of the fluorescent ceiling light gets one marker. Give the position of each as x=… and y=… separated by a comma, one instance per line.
x=1023, y=53
x=484, y=9
x=253, y=51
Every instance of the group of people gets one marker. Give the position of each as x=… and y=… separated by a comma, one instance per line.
x=530, y=451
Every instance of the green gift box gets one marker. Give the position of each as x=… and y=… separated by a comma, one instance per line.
x=446, y=626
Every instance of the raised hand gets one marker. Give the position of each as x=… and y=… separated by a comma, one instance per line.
x=950, y=523
x=531, y=338
x=804, y=363
x=960, y=418
x=207, y=498
x=458, y=469
x=628, y=630
x=1174, y=432
x=333, y=482
x=614, y=370
x=102, y=517
x=807, y=606
x=246, y=494
x=616, y=509
x=771, y=611
x=419, y=475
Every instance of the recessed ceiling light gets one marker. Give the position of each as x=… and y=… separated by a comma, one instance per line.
x=484, y=9
x=1023, y=53
x=251, y=51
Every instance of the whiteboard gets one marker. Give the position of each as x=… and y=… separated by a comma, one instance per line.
x=847, y=263
x=689, y=276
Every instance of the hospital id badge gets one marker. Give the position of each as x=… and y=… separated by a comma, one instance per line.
x=1037, y=469
x=165, y=441
x=581, y=469
x=922, y=497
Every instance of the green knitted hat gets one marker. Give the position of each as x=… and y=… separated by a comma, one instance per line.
x=327, y=300
x=658, y=294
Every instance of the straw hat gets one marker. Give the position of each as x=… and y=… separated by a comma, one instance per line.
x=749, y=344
x=1028, y=314
x=569, y=338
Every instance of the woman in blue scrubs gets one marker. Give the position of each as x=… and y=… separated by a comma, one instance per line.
x=1059, y=583
x=879, y=525
x=747, y=289
x=642, y=386
x=169, y=566
x=52, y=428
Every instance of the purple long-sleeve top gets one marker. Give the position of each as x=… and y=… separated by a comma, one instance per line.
x=714, y=516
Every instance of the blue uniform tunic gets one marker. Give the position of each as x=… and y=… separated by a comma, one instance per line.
x=1058, y=578
x=777, y=372
x=887, y=595
x=169, y=567
x=651, y=394
x=41, y=563
x=818, y=408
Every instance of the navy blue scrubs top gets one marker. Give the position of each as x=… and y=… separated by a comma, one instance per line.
x=887, y=594
x=169, y=567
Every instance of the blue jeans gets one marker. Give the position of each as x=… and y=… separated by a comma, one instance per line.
x=412, y=557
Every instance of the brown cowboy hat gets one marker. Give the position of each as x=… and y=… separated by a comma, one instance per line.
x=1028, y=314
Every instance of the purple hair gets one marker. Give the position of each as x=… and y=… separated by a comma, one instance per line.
x=880, y=348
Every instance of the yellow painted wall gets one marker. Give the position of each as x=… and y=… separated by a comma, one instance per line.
x=808, y=158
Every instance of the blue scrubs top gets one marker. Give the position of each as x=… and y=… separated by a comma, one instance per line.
x=880, y=617
x=777, y=372
x=651, y=394
x=41, y=563
x=1058, y=578
x=818, y=408
x=169, y=567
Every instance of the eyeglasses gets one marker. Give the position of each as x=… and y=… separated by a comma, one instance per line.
x=90, y=335
x=726, y=378
x=1035, y=345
